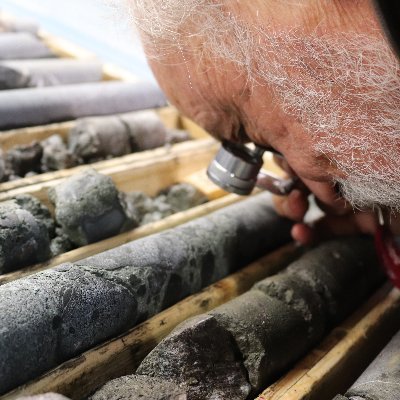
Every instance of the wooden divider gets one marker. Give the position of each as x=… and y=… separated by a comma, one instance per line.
x=336, y=363
x=78, y=377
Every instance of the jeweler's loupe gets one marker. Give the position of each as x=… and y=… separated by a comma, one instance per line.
x=237, y=169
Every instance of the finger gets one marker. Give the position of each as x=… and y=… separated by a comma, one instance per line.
x=294, y=206
x=303, y=234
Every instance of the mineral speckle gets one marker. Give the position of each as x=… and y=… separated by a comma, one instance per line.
x=340, y=271
x=300, y=296
x=137, y=205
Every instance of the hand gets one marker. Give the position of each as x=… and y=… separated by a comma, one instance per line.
x=339, y=219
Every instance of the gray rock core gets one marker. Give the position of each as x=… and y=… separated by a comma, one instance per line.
x=39, y=106
x=16, y=74
x=88, y=209
x=270, y=327
x=381, y=380
x=26, y=227
x=54, y=315
x=22, y=45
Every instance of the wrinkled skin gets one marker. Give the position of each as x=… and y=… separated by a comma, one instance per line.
x=214, y=96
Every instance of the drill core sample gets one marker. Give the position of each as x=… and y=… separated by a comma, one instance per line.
x=25, y=230
x=260, y=326
x=324, y=284
x=97, y=138
x=271, y=325
x=3, y=168
x=136, y=387
x=17, y=74
x=22, y=45
x=381, y=379
x=66, y=310
x=202, y=355
x=182, y=196
x=37, y=106
x=142, y=209
x=11, y=24
x=229, y=351
x=55, y=155
x=88, y=208
x=20, y=160
x=146, y=130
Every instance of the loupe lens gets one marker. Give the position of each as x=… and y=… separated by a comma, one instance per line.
x=235, y=168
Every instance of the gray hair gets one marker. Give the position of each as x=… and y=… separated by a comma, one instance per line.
x=344, y=88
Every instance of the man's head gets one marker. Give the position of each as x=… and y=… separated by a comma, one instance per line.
x=316, y=80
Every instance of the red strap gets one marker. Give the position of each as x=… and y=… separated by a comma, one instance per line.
x=389, y=254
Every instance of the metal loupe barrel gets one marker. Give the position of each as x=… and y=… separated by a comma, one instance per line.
x=235, y=168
